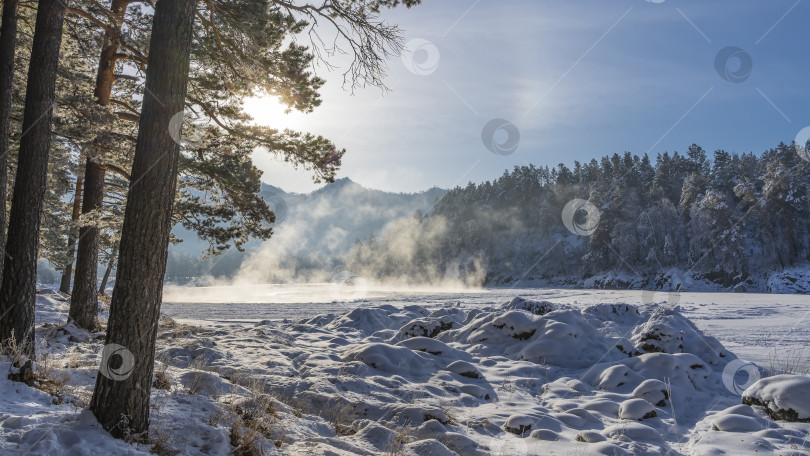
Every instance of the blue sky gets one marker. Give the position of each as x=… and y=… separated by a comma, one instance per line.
x=578, y=80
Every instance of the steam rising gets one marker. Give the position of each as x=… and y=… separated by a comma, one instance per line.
x=351, y=240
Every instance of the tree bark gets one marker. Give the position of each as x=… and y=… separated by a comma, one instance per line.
x=791, y=241
x=108, y=271
x=64, y=285
x=8, y=38
x=121, y=396
x=84, y=300
x=18, y=289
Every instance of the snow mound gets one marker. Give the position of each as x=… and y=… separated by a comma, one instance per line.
x=684, y=373
x=429, y=327
x=558, y=338
x=653, y=391
x=428, y=345
x=390, y=359
x=464, y=369
x=636, y=409
x=736, y=423
x=634, y=431
x=370, y=320
x=519, y=424
x=785, y=397
x=667, y=331
x=590, y=437
x=535, y=307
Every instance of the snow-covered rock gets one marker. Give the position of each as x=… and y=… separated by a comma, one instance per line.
x=636, y=409
x=653, y=391
x=736, y=423
x=519, y=424
x=535, y=307
x=785, y=397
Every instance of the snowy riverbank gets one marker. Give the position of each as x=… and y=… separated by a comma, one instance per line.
x=517, y=377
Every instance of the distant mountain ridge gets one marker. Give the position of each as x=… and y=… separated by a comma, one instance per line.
x=312, y=228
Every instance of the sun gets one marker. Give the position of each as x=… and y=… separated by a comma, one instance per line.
x=268, y=111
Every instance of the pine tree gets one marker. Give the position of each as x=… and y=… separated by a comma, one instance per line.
x=8, y=38
x=18, y=288
x=76, y=209
x=122, y=404
x=84, y=300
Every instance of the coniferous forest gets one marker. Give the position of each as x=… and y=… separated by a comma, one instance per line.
x=722, y=217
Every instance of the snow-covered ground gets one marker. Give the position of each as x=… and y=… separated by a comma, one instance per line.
x=440, y=373
x=762, y=328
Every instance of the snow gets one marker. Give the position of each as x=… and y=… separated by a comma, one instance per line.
x=756, y=327
x=636, y=409
x=573, y=372
x=783, y=392
x=736, y=423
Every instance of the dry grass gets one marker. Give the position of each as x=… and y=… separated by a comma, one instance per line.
x=12, y=351
x=340, y=414
x=43, y=374
x=72, y=361
x=243, y=440
x=251, y=422
x=162, y=378
x=54, y=382
x=402, y=435
x=449, y=417
x=164, y=443
x=258, y=386
x=199, y=383
x=163, y=440
x=170, y=328
x=788, y=361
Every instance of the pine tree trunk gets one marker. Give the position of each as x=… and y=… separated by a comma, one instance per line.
x=18, y=289
x=121, y=397
x=108, y=271
x=64, y=285
x=8, y=37
x=105, y=77
x=791, y=242
x=84, y=301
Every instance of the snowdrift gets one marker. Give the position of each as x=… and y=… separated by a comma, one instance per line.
x=525, y=377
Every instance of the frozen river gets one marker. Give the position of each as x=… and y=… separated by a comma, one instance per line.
x=763, y=328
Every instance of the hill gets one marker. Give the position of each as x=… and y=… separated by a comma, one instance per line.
x=311, y=232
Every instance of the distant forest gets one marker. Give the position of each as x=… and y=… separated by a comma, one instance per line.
x=727, y=217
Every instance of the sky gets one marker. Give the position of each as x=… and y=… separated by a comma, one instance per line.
x=487, y=85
